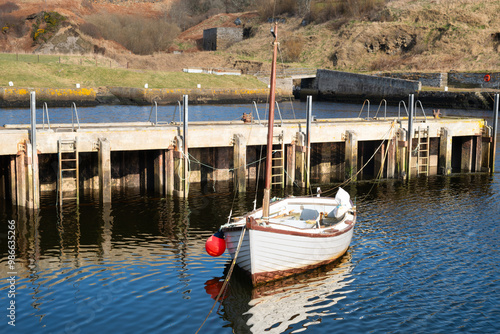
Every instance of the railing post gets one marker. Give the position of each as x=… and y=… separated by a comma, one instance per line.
x=185, y=99
x=35, y=177
x=495, y=130
x=308, y=140
x=410, y=134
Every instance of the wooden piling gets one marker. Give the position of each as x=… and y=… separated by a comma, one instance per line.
x=391, y=158
x=445, y=148
x=21, y=177
x=2, y=179
x=169, y=171
x=300, y=160
x=380, y=161
x=466, y=157
x=29, y=176
x=402, y=145
x=104, y=170
x=239, y=163
x=290, y=164
x=351, y=155
x=12, y=180
x=477, y=162
x=180, y=170
x=159, y=184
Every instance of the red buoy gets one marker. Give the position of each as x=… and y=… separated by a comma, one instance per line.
x=216, y=245
x=487, y=78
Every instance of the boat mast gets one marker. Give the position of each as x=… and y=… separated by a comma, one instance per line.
x=272, y=98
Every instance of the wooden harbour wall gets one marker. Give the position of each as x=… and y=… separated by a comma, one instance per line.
x=151, y=157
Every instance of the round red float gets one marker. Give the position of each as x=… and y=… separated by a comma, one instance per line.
x=487, y=78
x=216, y=245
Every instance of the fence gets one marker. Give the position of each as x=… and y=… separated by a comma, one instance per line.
x=83, y=60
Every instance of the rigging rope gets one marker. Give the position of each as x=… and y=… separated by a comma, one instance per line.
x=387, y=136
x=228, y=277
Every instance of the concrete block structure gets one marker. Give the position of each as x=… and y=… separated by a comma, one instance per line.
x=221, y=38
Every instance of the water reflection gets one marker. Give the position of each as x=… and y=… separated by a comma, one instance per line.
x=293, y=303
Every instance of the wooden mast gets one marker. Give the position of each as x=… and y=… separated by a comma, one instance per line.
x=269, y=156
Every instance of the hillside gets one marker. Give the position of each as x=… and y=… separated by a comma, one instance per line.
x=404, y=35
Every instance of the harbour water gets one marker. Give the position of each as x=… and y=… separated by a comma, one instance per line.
x=424, y=259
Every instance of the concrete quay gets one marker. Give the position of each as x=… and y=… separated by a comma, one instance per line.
x=166, y=158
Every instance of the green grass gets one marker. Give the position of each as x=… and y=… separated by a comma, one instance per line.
x=55, y=75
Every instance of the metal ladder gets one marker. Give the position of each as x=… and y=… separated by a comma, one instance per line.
x=278, y=162
x=423, y=147
x=68, y=169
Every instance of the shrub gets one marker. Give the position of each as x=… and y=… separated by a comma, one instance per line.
x=90, y=29
x=14, y=24
x=8, y=7
x=292, y=49
x=138, y=34
x=322, y=11
x=270, y=8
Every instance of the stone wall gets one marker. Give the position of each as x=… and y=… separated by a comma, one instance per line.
x=221, y=38
x=473, y=80
x=427, y=79
x=335, y=85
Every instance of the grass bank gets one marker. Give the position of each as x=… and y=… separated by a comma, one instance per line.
x=47, y=72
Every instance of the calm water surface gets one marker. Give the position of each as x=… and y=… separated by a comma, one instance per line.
x=424, y=259
x=224, y=112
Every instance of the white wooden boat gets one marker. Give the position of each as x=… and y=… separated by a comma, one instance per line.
x=301, y=233
x=292, y=235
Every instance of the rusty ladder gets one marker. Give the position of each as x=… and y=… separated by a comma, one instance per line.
x=68, y=176
x=278, y=163
x=423, y=148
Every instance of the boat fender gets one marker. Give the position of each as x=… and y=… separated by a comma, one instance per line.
x=216, y=245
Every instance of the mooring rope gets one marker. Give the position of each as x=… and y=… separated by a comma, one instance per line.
x=228, y=277
x=389, y=135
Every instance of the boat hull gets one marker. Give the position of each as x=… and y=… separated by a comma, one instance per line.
x=268, y=253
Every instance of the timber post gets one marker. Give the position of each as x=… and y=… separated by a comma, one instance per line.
x=300, y=160
x=104, y=166
x=445, y=147
x=159, y=169
x=351, y=155
x=290, y=164
x=239, y=163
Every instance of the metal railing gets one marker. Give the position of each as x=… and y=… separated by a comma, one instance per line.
x=154, y=106
x=45, y=110
x=385, y=108
x=421, y=107
x=256, y=111
x=74, y=115
x=362, y=107
x=399, y=110
x=279, y=113
x=175, y=111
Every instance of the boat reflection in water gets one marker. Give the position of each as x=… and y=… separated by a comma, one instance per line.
x=299, y=301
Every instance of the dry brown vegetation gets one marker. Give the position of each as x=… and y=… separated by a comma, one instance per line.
x=352, y=35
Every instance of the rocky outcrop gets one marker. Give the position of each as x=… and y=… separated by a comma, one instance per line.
x=66, y=41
